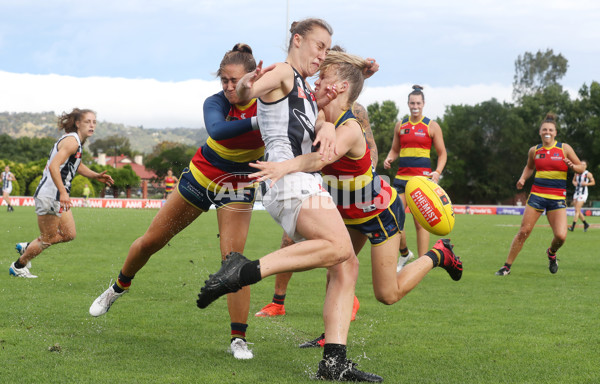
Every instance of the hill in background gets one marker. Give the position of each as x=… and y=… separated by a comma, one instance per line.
x=25, y=124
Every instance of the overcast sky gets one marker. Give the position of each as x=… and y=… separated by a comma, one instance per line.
x=152, y=62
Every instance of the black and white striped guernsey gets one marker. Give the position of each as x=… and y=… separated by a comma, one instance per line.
x=580, y=179
x=46, y=188
x=287, y=125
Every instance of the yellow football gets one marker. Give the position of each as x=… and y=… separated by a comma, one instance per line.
x=430, y=205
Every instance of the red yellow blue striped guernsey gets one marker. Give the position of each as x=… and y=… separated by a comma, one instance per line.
x=550, y=172
x=225, y=161
x=415, y=148
x=169, y=184
x=358, y=191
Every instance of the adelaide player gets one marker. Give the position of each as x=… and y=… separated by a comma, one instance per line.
x=369, y=206
x=215, y=176
x=551, y=160
x=413, y=138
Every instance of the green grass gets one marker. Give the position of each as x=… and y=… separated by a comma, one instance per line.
x=529, y=327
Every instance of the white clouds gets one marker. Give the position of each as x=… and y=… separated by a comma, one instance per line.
x=438, y=98
x=146, y=102
x=156, y=104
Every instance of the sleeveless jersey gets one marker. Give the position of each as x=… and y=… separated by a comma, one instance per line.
x=550, y=172
x=580, y=179
x=47, y=188
x=6, y=180
x=288, y=125
x=415, y=148
x=226, y=161
x=358, y=191
x=169, y=184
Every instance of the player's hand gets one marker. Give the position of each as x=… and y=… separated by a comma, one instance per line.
x=268, y=170
x=65, y=201
x=520, y=184
x=387, y=163
x=326, y=141
x=104, y=178
x=435, y=176
x=372, y=67
x=249, y=79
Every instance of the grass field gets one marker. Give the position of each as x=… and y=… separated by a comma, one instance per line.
x=529, y=327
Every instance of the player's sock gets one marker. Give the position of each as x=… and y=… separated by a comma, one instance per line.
x=573, y=225
x=250, y=273
x=335, y=352
x=404, y=252
x=18, y=265
x=551, y=253
x=238, y=330
x=279, y=299
x=436, y=256
x=123, y=283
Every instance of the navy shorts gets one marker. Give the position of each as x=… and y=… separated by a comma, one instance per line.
x=383, y=226
x=400, y=185
x=542, y=204
x=200, y=197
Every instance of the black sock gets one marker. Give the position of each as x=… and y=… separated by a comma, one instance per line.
x=250, y=273
x=404, y=252
x=507, y=265
x=238, y=331
x=436, y=256
x=18, y=265
x=573, y=225
x=336, y=352
x=585, y=224
x=278, y=299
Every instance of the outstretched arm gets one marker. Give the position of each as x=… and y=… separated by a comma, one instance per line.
x=216, y=108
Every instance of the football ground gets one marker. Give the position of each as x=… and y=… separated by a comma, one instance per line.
x=528, y=327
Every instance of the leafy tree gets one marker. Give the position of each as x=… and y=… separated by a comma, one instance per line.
x=78, y=184
x=25, y=149
x=535, y=72
x=383, y=118
x=168, y=155
x=114, y=145
x=487, y=147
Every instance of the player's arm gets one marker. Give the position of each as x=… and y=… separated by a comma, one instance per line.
x=363, y=119
x=574, y=181
x=438, y=143
x=591, y=179
x=216, y=108
x=67, y=147
x=348, y=140
x=271, y=82
x=395, y=150
x=102, y=177
x=529, y=168
x=572, y=160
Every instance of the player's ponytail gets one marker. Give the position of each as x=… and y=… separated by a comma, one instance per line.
x=67, y=121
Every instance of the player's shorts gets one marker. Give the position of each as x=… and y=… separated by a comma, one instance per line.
x=542, y=204
x=580, y=197
x=200, y=197
x=47, y=206
x=284, y=200
x=383, y=226
x=7, y=189
x=400, y=185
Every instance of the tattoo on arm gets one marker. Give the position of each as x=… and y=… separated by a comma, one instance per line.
x=363, y=119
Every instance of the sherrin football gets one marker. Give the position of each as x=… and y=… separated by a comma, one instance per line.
x=430, y=205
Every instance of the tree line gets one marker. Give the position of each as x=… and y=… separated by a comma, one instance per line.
x=487, y=143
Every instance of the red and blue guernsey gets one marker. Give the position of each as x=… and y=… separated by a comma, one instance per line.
x=415, y=148
x=223, y=161
x=358, y=191
x=550, y=172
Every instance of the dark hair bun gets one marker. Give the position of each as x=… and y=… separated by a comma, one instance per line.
x=241, y=47
x=550, y=118
x=417, y=87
